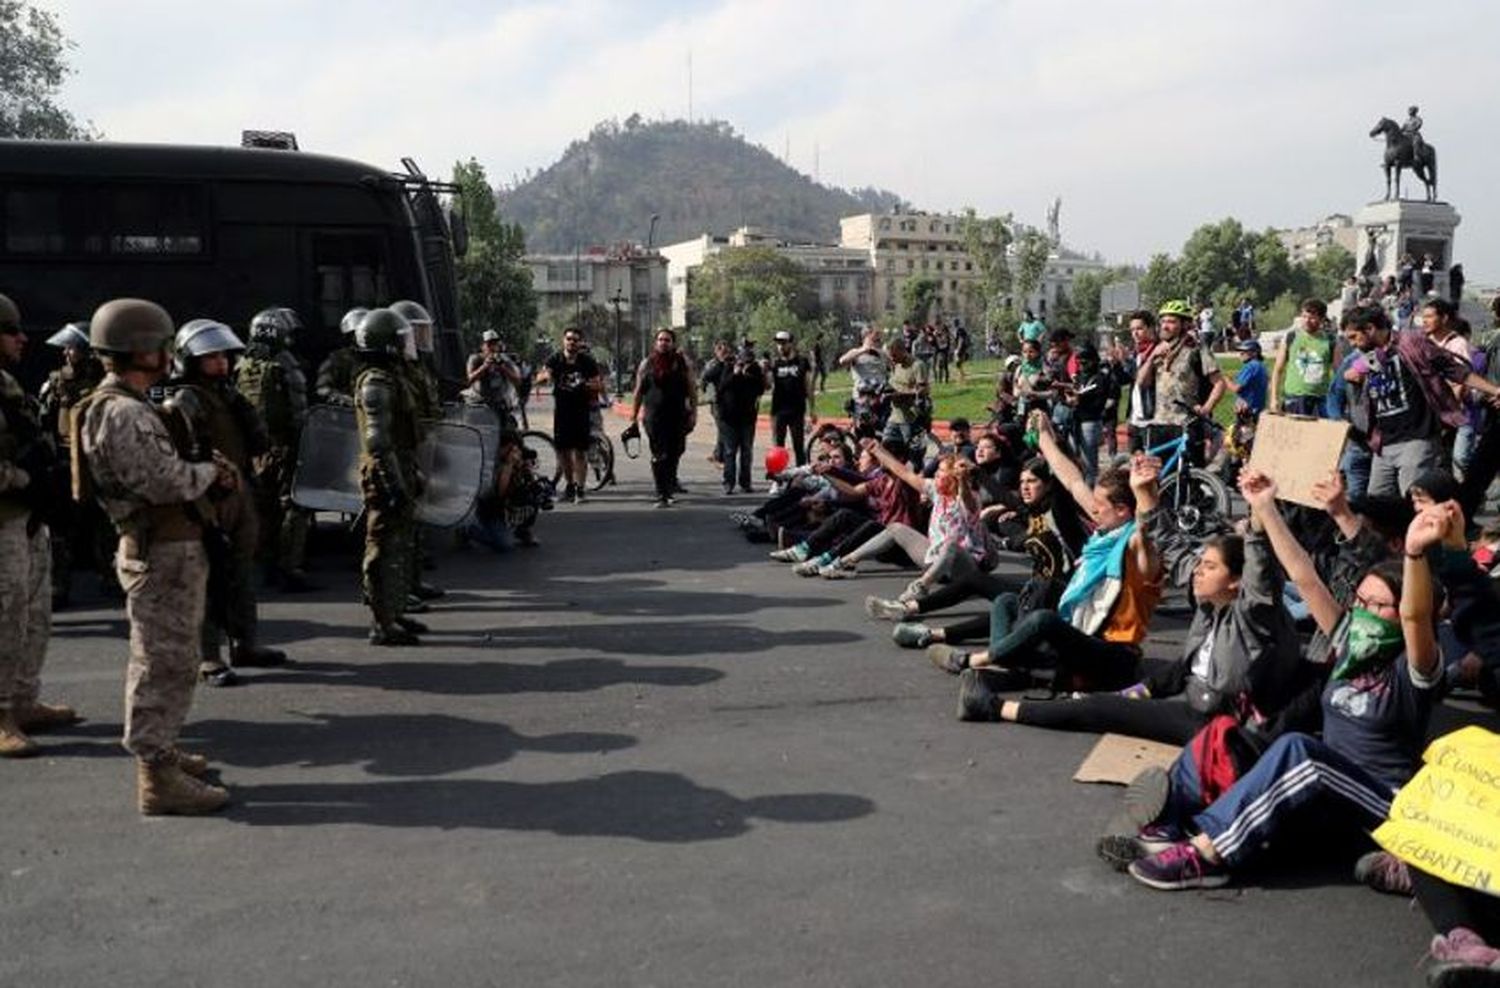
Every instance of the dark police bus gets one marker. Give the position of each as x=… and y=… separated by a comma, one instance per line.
x=221, y=232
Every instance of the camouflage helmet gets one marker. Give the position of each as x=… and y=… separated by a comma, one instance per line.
x=350, y=322
x=10, y=316
x=271, y=326
x=382, y=331
x=74, y=334
x=130, y=325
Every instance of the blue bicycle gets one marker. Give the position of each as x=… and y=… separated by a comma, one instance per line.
x=1197, y=498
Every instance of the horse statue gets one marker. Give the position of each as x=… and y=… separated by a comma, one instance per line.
x=1400, y=154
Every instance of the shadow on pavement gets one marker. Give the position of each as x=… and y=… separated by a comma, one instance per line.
x=386, y=744
x=648, y=806
x=679, y=638
x=624, y=597
x=491, y=678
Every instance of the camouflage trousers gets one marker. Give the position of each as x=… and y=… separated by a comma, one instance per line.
x=164, y=600
x=386, y=570
x=25, y=610
x=232, y=611
x=284, y=526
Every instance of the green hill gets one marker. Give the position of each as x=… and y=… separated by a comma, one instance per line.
x=698, y=177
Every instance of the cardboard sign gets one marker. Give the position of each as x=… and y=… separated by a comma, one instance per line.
x=1118, y=759
x=1446, y=820
x=1297, y=452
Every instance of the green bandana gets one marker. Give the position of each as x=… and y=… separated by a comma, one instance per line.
x=1370, y=640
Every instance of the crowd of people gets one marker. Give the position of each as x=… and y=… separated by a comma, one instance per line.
x=1318, y=644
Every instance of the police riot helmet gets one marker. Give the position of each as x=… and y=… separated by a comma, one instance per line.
x=200, y=337
x=130, y=325
x=74, y=334
x=271, y=326
x=350, y=322
x=382, y=331
x=420, y=320
x=10, y=316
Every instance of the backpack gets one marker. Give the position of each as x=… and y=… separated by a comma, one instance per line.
x=262, y=381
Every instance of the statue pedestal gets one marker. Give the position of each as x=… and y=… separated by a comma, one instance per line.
x=1395, y=228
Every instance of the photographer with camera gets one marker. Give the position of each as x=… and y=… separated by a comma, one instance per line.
x=495, y=379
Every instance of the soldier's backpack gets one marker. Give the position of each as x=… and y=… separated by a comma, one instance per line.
x=262, y=380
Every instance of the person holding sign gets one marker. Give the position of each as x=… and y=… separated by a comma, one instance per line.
x=1385, y=665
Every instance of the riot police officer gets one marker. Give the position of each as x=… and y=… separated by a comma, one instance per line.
x=75, y=526
x=387, y=420
x=270, y=376
x=28, y=466
x=422, y=380
x=217, y=418
x=336, y=374
x=152, y=494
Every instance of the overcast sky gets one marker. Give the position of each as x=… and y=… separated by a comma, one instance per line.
x=1146, y=118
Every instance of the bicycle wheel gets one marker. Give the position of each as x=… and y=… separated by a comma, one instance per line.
x=1206, y=505
x=548, y=466
x=601, y=461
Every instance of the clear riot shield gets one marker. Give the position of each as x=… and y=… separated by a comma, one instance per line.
x=486, y=421
x=451, y=456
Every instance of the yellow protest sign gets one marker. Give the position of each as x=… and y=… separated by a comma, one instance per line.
x=1446, y=820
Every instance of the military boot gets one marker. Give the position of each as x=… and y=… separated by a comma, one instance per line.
x=40, y=716
x=426, y=591
x=13, y=741
x=192, y=764
x=164, y=789
x=391, y=635
x=247, y=656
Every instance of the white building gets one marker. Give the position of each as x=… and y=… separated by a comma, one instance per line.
x=599, y=275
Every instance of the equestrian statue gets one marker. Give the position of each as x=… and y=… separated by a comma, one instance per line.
x=1406, y=148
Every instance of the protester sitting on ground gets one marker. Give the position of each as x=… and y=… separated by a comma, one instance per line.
x=789, y=513
x=878, y=500
x=1092, y=639
x=1375, y=713
x=1051, y=530
x=954, y=520
x=1241, y=655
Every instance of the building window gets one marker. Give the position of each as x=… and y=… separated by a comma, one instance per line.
x=911, y=265
x=924, y=264
x=885, y=224
x=839, y=284
x=968, y=265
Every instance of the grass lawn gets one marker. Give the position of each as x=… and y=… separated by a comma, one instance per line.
x=953, y=400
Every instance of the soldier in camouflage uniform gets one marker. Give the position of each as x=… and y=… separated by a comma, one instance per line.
x=27, y=464
x=75, y=526
x=150, y=492
x=422, y=380
x=214, y=417
x=270, y=376
x=336, y=374
x=388, y=475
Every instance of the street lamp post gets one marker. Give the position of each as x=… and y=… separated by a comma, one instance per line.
x=650, y=326
x=617, y=301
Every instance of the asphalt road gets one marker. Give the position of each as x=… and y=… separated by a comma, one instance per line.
x=639, y=755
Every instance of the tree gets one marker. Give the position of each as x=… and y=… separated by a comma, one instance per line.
x=732, y=284
x=494, y=286
x=987, y=242
x=917, y=298
x=1031, y=252
x=771, y=316
x=32, y=67
x=1327, y=271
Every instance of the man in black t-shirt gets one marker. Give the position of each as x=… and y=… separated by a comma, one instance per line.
x=576, y=384
x=790, y=378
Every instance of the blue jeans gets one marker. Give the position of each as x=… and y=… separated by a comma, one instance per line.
x=1464, y=442
x=1042, y=638
x=737, y=442
x=1295, y=771
x=1356, y=469
x=1304, y=405
x=1089, y=436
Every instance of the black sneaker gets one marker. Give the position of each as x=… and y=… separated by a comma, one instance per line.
x=1120, y=851
x=427, y=591
x=976, y=701
x=393, y=635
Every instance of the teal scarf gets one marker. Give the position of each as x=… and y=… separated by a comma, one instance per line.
x=1102, y=558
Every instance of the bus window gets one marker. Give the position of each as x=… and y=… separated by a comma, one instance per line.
x=351, y=271
x=33, y=221
x=156, y=219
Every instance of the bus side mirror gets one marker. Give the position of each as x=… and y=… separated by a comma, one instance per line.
x=458, y=229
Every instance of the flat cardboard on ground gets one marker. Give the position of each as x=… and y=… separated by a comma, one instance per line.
x=1119, y=758
x=1297, y=452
